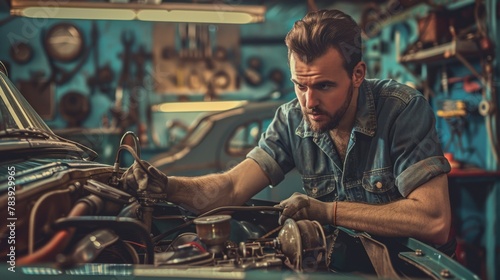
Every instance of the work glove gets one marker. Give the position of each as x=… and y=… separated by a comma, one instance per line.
x=142, y=176
x=302, y=207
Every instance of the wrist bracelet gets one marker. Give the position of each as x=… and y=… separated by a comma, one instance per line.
x=335, y=213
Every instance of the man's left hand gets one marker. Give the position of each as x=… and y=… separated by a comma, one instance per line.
x=302, y=207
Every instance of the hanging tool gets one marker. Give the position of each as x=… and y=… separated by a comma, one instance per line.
x=95, y=37
x=139, y=58
x=103, y=76
x=120, y=119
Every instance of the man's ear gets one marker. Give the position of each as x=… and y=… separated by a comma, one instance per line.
x=358, y=74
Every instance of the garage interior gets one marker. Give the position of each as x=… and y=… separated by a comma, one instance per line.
x=94, y=70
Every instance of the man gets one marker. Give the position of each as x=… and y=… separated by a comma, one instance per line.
x=367, y=149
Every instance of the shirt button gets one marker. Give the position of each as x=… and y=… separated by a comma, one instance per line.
x=378, y=185
x=314, y=190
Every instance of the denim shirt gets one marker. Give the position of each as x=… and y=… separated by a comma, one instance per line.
x=393, y=147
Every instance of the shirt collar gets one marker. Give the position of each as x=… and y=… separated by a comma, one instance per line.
x=365, y=115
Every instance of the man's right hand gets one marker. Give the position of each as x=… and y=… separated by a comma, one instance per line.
x=302, y=207
x=142, y=176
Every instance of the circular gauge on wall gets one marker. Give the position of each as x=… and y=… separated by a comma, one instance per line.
x=64, y=42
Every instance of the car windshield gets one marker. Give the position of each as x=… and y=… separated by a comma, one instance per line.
x=16, y=113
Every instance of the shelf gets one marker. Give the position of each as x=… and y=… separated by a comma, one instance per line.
x=443, y=52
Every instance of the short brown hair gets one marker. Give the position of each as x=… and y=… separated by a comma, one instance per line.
x=313, y=35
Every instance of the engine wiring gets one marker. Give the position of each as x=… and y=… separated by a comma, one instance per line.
x=135, y=243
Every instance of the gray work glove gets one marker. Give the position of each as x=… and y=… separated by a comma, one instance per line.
x=136, y=180
x=302, y=207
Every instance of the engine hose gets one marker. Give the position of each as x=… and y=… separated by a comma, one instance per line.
x=34, y=211
x=58, y=242
x=116, y=167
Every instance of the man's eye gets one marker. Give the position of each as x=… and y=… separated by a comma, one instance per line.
x=301, y=87
x=324, y=86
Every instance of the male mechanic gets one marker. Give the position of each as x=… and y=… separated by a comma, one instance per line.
x=367, y=149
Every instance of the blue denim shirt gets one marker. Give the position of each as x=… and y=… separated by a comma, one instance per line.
x=393, y=147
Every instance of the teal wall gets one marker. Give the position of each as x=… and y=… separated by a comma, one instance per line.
x=264, y=40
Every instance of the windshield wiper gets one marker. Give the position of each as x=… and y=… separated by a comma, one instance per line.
x=9, y=132
x=37, y=133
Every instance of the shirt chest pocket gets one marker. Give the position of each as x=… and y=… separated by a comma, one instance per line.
x=379, y=186
x=317, y=186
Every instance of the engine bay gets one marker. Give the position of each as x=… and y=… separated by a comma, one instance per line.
x=75, y=218
x=70, y=213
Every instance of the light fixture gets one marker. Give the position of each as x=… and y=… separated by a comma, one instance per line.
x=209, y=106
x=216, y=13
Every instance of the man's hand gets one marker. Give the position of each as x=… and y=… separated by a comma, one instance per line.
x=302, y=207
x=142, y=176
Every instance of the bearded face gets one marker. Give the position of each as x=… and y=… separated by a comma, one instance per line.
x=321, y=120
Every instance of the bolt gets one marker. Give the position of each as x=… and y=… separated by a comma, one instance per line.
x=419, y=252
x=445, y=273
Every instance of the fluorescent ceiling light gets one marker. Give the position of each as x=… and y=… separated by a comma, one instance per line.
x=81, y=13
x=167, y=12
x=207, y=106
x=195, y=16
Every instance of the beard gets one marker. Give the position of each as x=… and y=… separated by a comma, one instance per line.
x=333, y=120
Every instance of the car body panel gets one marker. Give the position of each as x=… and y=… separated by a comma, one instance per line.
x=219, y=141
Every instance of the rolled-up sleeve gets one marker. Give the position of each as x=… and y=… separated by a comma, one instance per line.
x=274, y=153
x=415, y=147
x=268, y=165
x=421, y=172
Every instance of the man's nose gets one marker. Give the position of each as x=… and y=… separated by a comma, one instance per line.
x=311, y=99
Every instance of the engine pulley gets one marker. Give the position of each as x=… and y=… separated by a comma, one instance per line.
x=304, y=244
